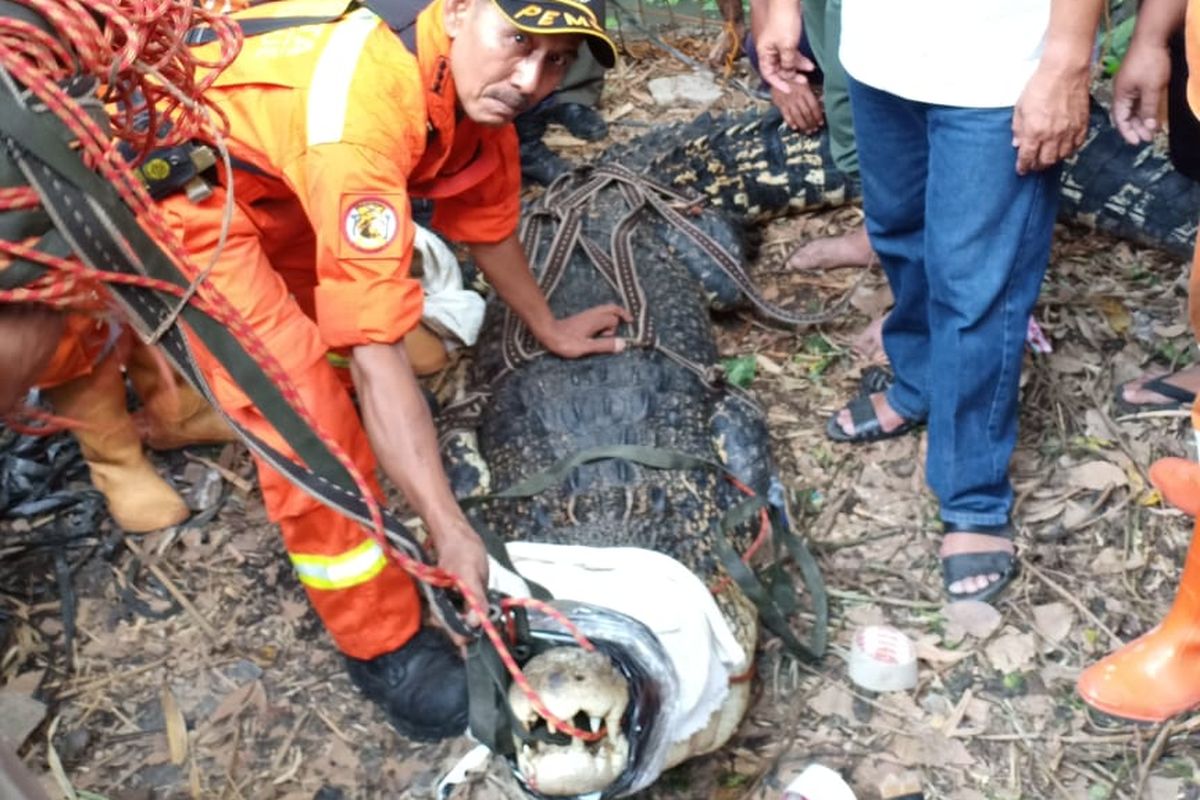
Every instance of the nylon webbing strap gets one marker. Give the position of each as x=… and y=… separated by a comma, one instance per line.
x=94, y=221
x=776, y=600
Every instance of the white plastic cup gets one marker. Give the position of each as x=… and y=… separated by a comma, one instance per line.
x=818, y=782
x=882, y=659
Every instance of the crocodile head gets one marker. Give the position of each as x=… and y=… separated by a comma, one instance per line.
x=585, y=689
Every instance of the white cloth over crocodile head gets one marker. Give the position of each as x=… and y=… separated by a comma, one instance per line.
x=454, y=313
x=654, y=589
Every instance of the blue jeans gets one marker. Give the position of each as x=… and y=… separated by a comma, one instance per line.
x=964, y=241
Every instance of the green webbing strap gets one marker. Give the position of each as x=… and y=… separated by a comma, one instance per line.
x=93, y=220
x=557, y=472
x=490, y=718
x=496, y=549
x=775, y=601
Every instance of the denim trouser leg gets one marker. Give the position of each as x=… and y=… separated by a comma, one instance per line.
x=894, y=166
x=982, y=248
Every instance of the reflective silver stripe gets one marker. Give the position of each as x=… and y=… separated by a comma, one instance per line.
x=329, y=92
x=341, y=571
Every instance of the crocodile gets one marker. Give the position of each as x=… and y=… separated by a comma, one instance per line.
x=662, y=393
x=755, y=168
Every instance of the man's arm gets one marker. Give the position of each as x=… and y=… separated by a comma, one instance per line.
x=1144, y=74
x=1050, y=118
x=507, y=269
x=400, y=429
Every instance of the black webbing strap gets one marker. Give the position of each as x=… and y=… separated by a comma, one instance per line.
x=400, y=16
x=776, y=600
x=93, y=220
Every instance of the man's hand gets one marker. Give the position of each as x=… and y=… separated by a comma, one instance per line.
x=1138, y=90
x=586, y=333
x=800, y=107
x=1050, y=119
x=779, y=59
x=461, y=552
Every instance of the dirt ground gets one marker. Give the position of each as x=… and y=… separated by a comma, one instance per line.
x=199, y=671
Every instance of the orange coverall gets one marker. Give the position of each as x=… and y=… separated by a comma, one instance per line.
x=337, y=125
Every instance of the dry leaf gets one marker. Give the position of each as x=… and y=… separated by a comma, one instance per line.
x=232, y=703
x=177, y=734
x=1075, y=513
x=1012, y=652
x=20, y=716
x=1096, y=475
x=833, y=699
x=1110, y=561
x=931, y=748
x=975, y=618
x=1054, y=621
x=1116, y=314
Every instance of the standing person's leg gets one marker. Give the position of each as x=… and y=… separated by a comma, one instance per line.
x=369, y=605
x=987, y=244
x=894, y=156
x=823, y=22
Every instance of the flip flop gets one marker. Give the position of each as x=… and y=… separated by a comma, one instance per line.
x=967, y=565
x=867, y=427
x=1180, y=397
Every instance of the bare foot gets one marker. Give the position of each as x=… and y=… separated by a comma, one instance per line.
x=868, y=344
x=889, y=420
x=1135, y=393
x=954, y=544
x=851, y=249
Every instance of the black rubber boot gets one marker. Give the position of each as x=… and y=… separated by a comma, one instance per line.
x=583, y=122
x=540, y=164
x=422, y=686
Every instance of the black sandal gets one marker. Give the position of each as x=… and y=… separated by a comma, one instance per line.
x=867, y=427
x=1180, y=397
x=972, y=565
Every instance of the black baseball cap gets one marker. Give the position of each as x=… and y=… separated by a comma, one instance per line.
x=585, y=17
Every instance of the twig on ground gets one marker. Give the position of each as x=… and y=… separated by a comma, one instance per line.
x=922, y=605
x=1072, y=599
x=1156, y=750
x=155, y=570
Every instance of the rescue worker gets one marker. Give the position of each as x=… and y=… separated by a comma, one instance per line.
x=334, y=127
x=80, y=372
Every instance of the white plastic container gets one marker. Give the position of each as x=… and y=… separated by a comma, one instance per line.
x=818, y=782
x=883, y=659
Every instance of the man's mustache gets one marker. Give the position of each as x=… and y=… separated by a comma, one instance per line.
x=516, y=100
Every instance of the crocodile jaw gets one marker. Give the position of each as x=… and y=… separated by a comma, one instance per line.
x=574, y=684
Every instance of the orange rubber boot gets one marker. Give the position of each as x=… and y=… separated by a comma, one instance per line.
x=1158, y=676
x=173, y=414
x=138, y=498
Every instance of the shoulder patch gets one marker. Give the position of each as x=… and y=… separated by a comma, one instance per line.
x=370, y=224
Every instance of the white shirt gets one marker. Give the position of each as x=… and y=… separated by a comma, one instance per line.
x=970, y=53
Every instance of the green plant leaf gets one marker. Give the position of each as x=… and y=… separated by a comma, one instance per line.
x=740, y=370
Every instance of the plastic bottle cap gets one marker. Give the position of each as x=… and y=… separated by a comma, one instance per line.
x=818, y=782
x=883, y=659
